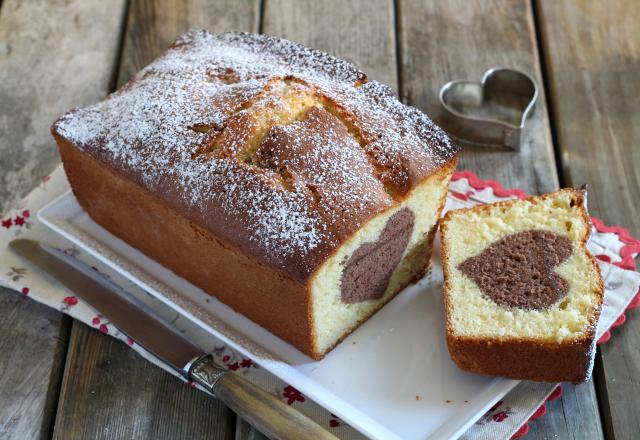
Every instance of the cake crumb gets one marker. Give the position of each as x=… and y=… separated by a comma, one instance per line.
x=448, y=401
x=418, y=397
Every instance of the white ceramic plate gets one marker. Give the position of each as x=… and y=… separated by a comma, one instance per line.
x=391, y=379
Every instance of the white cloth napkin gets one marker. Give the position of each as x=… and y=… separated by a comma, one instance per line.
x=613, y=246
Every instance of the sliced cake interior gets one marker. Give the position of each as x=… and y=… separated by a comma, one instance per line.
x=522, y=290
x=384, y=256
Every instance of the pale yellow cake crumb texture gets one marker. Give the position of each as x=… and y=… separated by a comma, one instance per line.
x=331, y=317
x=473, y=314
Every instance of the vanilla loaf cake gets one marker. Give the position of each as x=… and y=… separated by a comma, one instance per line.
x=522, y=292
x=277, y=178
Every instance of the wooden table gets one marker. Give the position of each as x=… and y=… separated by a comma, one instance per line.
x=59, y=378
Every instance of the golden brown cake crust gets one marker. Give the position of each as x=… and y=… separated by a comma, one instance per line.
x=524, y=358
x=190, y=129
x=271, y=298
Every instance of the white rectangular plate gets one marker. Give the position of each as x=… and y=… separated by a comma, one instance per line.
x=392, y=378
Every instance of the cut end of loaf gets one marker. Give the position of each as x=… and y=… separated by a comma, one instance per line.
x=551, y=341
x=333, y=318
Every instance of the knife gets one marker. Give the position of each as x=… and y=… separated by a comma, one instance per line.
x=265, y=411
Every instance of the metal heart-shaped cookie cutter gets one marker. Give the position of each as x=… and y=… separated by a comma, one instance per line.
x=491, y=112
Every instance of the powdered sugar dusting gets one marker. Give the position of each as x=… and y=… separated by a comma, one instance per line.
x=154, y=129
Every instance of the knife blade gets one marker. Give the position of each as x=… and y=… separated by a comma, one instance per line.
x=138, y=321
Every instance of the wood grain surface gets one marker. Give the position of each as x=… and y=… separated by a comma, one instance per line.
x=592, y=54
x=573, y=417
x=244, y=431
x=53, y=55
x=33, y=346
x=362, y=31
x=460, y=39
x=110, y=392
x=154, y=24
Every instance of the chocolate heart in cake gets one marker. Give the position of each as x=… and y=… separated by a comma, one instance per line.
x=368, y=271
x=519, y=269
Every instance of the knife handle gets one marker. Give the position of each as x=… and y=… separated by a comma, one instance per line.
x=263, y=410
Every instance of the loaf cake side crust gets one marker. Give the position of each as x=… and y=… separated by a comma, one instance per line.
x=523, y=359
x=268, y=297
x=543, y=357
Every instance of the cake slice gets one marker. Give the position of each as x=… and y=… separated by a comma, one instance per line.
x=522, y=292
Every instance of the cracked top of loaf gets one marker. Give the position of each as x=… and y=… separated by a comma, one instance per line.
x=281, y=150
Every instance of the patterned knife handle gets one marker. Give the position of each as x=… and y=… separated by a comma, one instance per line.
x=266, y=412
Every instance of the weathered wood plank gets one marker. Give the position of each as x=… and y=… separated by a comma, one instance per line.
x=442, y=41
x=244, y=431
x=147, y=403
x=53, y=55
x=358, y=31
x=33, y=345
x=570, y=417
x=154, y=24
x=592, y=53
x=109, y=392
